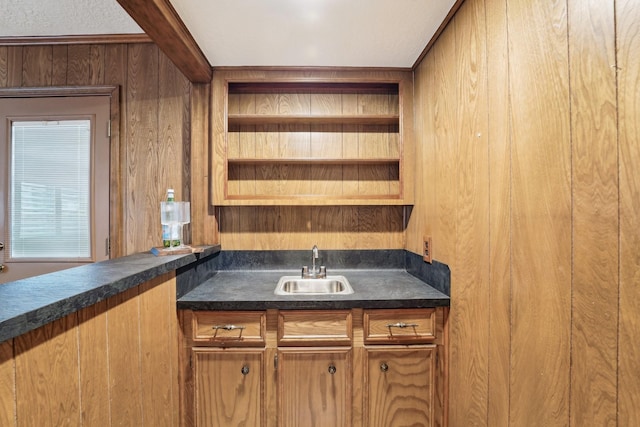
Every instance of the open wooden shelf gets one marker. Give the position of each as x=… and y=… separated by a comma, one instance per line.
x=312, y=161
x=299, y=119
x=312, y=137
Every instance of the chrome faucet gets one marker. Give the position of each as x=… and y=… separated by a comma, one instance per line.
x=315, y=273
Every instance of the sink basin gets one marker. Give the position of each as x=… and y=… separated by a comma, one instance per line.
x=330, y=285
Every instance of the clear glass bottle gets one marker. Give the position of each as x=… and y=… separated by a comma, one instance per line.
x=170, y=233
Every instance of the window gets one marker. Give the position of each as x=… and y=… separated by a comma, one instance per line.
x=49, y=197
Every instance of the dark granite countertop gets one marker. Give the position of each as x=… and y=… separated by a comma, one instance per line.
x=254, y=290
x=30, y=303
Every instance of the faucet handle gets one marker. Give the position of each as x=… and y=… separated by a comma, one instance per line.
x=323, y=271
x=305, y=271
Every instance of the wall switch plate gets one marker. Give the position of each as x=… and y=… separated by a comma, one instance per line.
x=426, y=249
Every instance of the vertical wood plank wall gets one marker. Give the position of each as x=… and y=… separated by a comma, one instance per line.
x=527, y=136
x=113, y=363
x=154, y=131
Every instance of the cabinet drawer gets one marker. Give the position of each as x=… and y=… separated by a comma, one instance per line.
x=399, y=326
x=308, y=328
x=229, y=328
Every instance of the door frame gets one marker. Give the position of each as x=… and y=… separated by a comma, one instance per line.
x=116, y=223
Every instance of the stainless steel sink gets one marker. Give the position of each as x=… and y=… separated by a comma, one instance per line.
x=330, y=285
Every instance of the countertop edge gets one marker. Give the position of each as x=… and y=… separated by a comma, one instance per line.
x=94, y=282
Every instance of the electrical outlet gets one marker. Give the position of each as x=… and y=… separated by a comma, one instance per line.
x=426, y=249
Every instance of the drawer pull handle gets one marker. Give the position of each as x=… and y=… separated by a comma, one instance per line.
x=245, y=370
x=332, y=369
x=228, y=327
x=402, y=325
x=384, y=367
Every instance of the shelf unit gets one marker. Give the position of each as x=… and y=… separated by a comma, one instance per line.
x=311, y=138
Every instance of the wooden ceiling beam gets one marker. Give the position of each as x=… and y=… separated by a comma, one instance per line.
x=163, y=25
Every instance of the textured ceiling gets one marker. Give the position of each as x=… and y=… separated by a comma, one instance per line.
x=358, y=33
x=23, y=18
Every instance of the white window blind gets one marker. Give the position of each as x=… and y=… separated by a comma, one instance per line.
x=50, y=182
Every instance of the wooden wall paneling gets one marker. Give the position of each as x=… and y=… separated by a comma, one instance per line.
x=295, y=142
x=47, y=372
x=7, y=383
x=4, y=65
x=143, y=157
x=498, y=134
x=595, y=212
x=266, y=221
x=373, y=141
x=326, y=142
x=86, y=65
x=125, y=381
x=294, y=228
x=94, y=365
x=627, y=16
x=158, y=351
x=37, y=66
x=445, y=137
x=471, y=290
x=267, y=177
x=239, y=227
x=541, y=215
x=59, y=66
x=350, y=146
x=115, y=73
x=327, y=229
x=14, y=66
x=246, y=141
x=174, y=141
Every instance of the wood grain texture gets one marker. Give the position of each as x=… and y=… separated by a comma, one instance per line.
x=553, y=164
x=204, y=228
x=7, y=385
x=595, y=213
x=133, y=186
x=224, y=395
x=125, y=382
x=499, y=212
x=93, y=365
x=37, y=65
x=158, y=351
x=309, y=393
x=541, y=220
x=471, y=216
x=159, y=19
x=143, y=164
x=47, y=371
x=627, y=16
x=401, y=393
x=60, y=66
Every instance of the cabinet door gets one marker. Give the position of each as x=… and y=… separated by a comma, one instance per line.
x=229, y=387
x=399, y=386
x=314, y=387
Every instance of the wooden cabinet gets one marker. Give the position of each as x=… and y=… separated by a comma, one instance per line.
x=314, y=367
x=292, y=138
x=314, y=387
x=229, y=387
x=401, y=380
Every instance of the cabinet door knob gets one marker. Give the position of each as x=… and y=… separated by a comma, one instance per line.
x=332, y=369
x=2, y=267
x=245, y=370
x=384, y=367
